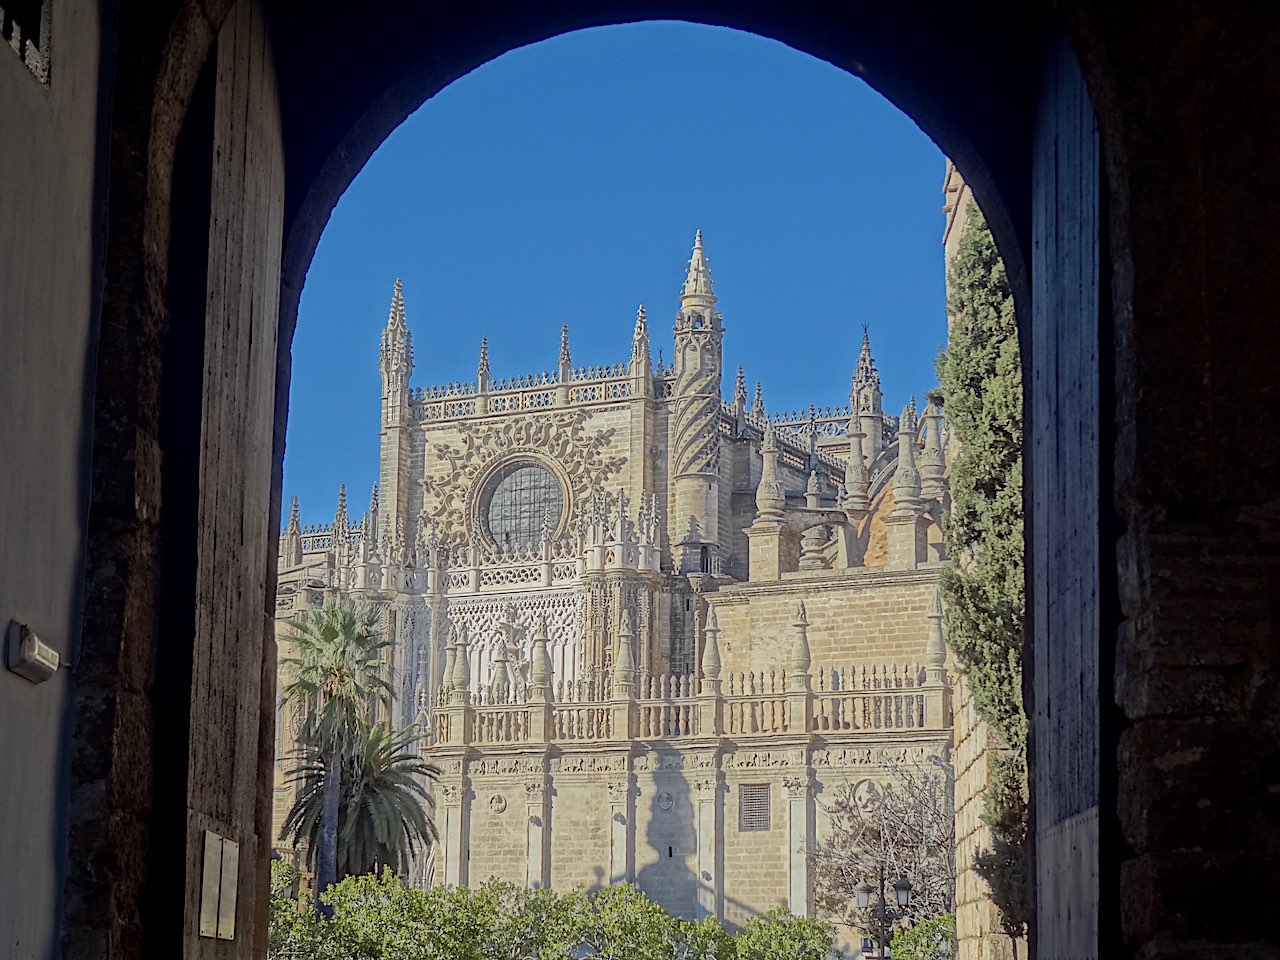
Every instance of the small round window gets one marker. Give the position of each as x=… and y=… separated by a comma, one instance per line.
x=519, y=499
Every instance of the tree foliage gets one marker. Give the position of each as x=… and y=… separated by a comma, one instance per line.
x=384, y=809
x=981, y=384
x=336, y=675
x=379, y=918
x=907, y=822
x=932, y=939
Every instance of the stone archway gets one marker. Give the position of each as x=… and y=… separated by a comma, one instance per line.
x=300, y=98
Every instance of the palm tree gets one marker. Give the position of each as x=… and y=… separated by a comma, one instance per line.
x=337, y=672
x=384, y=812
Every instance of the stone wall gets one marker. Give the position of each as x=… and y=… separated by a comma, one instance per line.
x=51, y=204
x=977, y=919
x=865, y=616
x=663, y=814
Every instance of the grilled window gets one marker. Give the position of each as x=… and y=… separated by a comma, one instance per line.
x=522, y=497
x=753, y=807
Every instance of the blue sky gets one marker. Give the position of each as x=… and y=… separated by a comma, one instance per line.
x=563, y=183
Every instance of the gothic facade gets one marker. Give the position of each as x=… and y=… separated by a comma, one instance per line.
x=651, y=630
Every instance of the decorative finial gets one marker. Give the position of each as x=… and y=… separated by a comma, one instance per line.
x=625, y=666
x=373, y=499
x=482, y=369
x=936, y=647
x=906, y=478
x=540, y=671
x=564, y=345
x=757, y=402
x=711, y=651
x=801, y=658
x=740, y=388
x=294, y=522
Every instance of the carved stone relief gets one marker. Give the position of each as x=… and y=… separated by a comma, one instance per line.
x=559, y=439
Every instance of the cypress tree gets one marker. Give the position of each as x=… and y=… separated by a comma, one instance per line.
x=981, y=385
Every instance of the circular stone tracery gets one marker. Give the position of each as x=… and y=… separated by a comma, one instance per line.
x=520, y=498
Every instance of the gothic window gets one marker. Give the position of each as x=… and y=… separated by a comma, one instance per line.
x=520, y=498
x=753, y=807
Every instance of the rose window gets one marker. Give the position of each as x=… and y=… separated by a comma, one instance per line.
x=519, y=500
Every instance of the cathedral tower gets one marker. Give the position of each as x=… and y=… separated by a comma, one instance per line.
x=694, y=440
x=395, y=361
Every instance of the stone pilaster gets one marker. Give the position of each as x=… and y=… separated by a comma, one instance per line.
x=709, y=883
x=538, y=872
x=798, y=791
x=457, y=819
x=621, y=836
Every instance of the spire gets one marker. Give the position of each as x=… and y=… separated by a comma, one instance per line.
x=697, y=281
x=565, y=359
x=291, y=554
x=341, y=522
x=801, y=658
x=640, y=344
x=740, y=390
x=711, y=651
x=864, y=373
x=396, y=356
x=757, y=402
x=482, y=368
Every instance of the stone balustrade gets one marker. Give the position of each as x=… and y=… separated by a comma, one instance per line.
x=861, y=698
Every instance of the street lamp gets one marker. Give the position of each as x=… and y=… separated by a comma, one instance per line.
x=901, y=894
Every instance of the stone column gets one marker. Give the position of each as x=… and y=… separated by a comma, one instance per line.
x=621, y=845
x=798, y=789
x=538, y=871
x=456, y=823
x=710, y=826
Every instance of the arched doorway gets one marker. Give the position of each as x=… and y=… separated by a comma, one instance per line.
x=292, y=112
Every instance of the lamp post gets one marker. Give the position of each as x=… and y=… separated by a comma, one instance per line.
x=901, y=894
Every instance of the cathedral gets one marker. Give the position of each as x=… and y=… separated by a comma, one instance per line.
x=651, y=629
